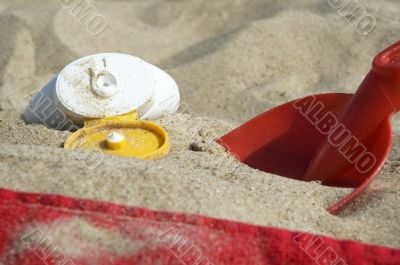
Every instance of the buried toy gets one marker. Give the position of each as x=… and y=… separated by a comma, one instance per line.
x=107, y=94
x=339, y=139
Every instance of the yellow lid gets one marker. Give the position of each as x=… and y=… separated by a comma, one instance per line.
x=122, y=136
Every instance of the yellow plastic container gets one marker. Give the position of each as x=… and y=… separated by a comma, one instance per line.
x=123, y=135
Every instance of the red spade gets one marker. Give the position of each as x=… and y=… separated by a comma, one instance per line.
x=339, y=139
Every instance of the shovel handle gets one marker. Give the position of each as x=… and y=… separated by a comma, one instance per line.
x=386, y=65
x=378, y=97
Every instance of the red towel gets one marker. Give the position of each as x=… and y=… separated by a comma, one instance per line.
x=31, y=233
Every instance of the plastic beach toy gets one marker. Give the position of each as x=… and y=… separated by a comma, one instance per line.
x=122, y=136
x=108, y=94
x=341, y=140
x=104, y=85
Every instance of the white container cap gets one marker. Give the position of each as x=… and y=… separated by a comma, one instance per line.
x=105, y=85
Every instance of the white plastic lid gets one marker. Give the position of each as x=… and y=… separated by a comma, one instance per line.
x=100, y=86
x=104, y=85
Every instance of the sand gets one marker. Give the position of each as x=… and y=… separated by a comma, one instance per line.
x=232, y=61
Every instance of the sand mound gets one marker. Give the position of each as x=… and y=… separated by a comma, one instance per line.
x=232, y=60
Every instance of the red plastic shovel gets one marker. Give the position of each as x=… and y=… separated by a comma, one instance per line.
x=341, y=140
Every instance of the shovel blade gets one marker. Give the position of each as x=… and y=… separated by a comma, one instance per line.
x=287, y=140
x=283, y=140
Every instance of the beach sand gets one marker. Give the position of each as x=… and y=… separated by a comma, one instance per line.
x=232, y=60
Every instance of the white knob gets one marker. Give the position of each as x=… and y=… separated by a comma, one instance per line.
x=105, y=85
